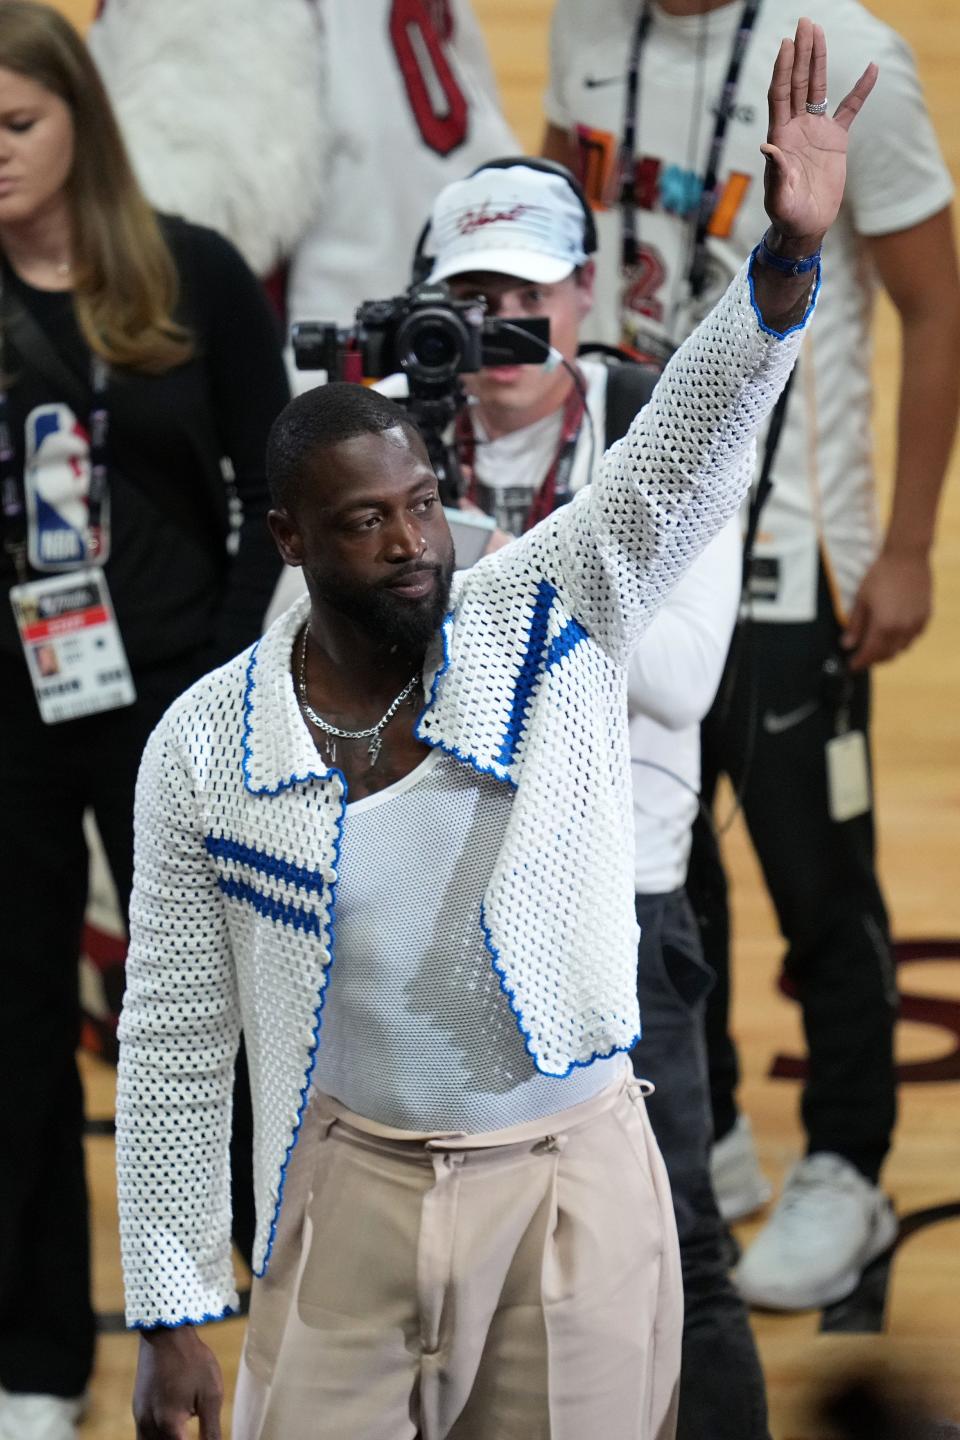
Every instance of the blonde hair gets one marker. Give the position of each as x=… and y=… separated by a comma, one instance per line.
x=126, y=284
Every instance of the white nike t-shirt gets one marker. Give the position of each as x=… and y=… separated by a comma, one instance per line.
x=897, y=178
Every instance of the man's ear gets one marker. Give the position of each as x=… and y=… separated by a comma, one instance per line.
x=586, y=279
x=286, y=537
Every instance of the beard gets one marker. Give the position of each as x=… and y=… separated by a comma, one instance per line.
x=394, y=621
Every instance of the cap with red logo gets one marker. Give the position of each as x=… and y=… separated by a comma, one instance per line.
x=518, y=221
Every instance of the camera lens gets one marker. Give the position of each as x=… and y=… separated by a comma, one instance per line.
x=434, y=348
x=315, y=346
x=430, y=345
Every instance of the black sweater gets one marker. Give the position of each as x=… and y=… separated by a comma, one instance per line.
x=174, y=587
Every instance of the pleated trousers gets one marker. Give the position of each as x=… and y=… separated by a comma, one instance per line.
x=518, y=1285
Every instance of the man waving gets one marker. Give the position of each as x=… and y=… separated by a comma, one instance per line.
x=393, y=843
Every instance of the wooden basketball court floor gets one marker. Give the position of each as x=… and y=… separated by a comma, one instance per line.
x=906, y=1322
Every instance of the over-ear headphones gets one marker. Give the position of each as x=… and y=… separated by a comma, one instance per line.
x=423, y=263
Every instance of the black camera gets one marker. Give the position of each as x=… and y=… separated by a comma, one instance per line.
x=432, y=339
x=429, y=336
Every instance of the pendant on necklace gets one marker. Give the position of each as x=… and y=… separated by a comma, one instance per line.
x=374, y=748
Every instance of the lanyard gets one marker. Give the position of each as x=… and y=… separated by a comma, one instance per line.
x=697, y=272
x=12, y=486
x=554, y=489
x=99, y=429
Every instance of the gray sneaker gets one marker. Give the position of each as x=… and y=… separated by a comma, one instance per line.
x=826, y=1228
x=738, y=1182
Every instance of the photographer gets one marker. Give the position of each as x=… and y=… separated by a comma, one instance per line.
x=518, y=234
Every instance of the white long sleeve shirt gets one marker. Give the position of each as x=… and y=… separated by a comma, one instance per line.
x=671, y=682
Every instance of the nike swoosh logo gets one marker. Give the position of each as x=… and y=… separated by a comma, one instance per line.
x=776, y=724
x=591, y=82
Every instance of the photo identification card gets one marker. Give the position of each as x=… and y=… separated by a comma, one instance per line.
x=72, y=646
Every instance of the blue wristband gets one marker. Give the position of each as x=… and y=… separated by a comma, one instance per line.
x=785, y=266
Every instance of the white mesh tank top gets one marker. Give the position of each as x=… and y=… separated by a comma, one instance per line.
x=416, y=1030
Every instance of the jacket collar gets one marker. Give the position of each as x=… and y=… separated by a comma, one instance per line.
x=277, y=747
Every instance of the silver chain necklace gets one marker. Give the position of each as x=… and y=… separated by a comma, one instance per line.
x=373, y=734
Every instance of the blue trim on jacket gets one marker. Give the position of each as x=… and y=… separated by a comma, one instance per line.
x=147, y=1326
x=529, y=670
x=300, y=876
x=453, y=751
x=767, y=329
x=517, y=1013
x=446, y=625
x=561, y=645
x=291, y=780
x=328, y=940
x=276, y=910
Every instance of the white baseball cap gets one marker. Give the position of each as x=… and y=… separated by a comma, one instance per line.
x=517, y=221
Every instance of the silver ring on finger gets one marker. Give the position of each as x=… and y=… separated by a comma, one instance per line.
x=820, y=108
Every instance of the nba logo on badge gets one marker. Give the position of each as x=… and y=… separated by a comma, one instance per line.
x=57, y=483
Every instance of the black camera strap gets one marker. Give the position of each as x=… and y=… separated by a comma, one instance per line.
x=629, y=387
x=761, y=490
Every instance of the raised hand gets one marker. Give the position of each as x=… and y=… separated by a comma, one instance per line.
x=806, y=153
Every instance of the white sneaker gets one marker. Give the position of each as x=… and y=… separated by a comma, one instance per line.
x=39, y=1417
x=827, y=1226
x=738, y=1182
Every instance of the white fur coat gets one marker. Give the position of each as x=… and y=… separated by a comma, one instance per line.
x=219, y=102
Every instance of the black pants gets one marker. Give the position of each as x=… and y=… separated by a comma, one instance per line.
x=49, y=774
x=721, y=1383
x=768, y=731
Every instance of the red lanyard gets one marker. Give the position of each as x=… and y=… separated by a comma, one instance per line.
x=554, y=489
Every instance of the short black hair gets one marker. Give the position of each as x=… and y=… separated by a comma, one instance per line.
x=319, y=419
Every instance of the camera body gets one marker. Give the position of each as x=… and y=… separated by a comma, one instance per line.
x=427, y=334
x=432, y=339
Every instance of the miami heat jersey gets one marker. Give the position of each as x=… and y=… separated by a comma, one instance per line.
x=314, y=130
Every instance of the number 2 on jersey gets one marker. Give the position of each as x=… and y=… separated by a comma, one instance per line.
x=438, y=104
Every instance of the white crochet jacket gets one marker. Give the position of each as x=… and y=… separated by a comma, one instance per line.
x=238, y=823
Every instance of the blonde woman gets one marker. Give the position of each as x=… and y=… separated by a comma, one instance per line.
x=138, y=355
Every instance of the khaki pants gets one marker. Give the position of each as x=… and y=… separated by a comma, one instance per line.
x=523, y=1285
